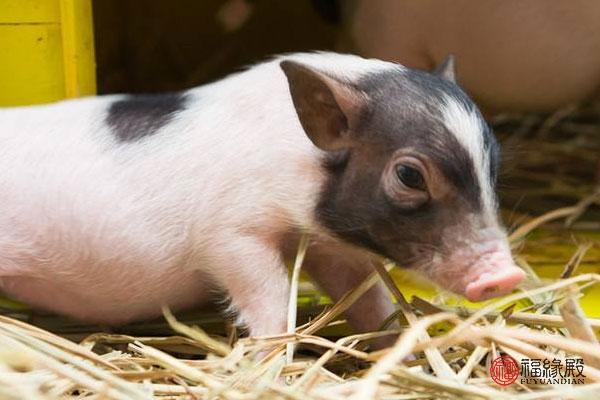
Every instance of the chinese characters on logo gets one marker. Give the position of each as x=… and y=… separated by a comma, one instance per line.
x=538, y=371
x=504, y=370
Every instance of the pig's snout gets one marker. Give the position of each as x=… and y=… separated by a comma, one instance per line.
x=493, y=274
x=479, y=271
x=494, y=284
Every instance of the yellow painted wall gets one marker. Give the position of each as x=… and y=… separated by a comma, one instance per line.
x=46, y=51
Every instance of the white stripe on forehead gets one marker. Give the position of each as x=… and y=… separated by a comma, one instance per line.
x=468, y=128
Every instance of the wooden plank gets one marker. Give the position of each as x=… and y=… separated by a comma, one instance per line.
x=31, y=70
x=29, y=11
x=78, y=47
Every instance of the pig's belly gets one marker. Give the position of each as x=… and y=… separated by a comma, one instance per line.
x=110, y=301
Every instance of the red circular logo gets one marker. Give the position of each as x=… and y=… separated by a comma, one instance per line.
x=504, y=370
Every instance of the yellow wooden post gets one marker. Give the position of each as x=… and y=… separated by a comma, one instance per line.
x=78, y=47
x=46, y=50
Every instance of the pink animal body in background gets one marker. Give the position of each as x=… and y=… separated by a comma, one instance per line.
x=115, y=205
x=515, y=56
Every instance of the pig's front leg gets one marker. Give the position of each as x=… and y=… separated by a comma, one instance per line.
x=337, y=273
x=255, y=277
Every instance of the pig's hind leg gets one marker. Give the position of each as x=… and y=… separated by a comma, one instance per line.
x=338, y=272
x=255, y=278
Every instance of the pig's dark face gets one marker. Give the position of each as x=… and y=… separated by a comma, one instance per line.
x=408, y=178
x=411, y=175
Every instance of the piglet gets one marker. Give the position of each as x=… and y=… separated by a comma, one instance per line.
x=113, y=206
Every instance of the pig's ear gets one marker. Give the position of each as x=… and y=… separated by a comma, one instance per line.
x=446, y=69
x=327, y=109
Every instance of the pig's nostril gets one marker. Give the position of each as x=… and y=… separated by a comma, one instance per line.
x=491, y=290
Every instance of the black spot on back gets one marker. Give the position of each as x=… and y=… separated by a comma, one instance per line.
x=139, y=116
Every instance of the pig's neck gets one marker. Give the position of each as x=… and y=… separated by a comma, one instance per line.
x=247, y=141
x=252, y=147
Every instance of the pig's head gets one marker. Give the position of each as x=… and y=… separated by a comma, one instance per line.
x=411, y=172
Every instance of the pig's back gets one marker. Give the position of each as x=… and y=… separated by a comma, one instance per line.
x=107, y=229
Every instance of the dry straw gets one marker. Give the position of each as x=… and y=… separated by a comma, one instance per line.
x=35, y=364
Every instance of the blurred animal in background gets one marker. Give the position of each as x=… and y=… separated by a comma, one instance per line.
x=515, y=56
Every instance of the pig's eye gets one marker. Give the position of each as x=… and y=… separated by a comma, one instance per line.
x=410, y=177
